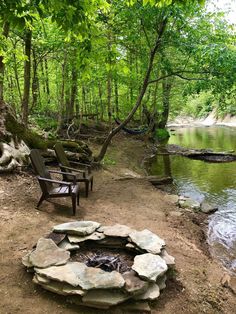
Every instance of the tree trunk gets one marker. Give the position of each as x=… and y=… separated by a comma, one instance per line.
x=62, y=96
x=74, y=79
x=5, y=32
x=35, y=83
x=116, y=96
x=27, y=66
x=166, y=88
x=47, y=81
x=157, y=45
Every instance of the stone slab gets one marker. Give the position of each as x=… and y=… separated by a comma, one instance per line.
x=149, y=266
x=95, y=236
x=66, y=245
x=116, y=230
x=78, y=274
x=47, y=253
x=77, y=227
x=133, y=284
x=147, y=240
x=105, y=298
x=151, y=294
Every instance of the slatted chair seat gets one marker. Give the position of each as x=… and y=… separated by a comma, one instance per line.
x=80, y=170
x=50, y=187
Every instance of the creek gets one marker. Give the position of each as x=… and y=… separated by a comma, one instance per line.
x=214, y=182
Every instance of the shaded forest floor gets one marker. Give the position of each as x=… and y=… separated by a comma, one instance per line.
x=196, y=287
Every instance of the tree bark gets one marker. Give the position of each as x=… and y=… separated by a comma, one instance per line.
x=5, y=33
x=35, y=83
x=27, y=66
x=62, y=96
x=153, y=52
x=166, y=89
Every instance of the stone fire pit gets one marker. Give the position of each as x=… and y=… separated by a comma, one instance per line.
x=101, y=266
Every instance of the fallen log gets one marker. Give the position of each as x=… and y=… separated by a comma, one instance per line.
x=199, y=154
x=155, y=180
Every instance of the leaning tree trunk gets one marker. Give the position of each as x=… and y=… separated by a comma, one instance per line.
x=153, y=52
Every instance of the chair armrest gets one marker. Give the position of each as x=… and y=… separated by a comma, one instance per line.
x=86, y=166
x=72, y=169
x=55, y=181
x=65, y=173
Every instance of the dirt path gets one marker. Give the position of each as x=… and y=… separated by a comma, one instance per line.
x=135, y=203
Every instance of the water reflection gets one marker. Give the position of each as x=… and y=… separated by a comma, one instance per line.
x=214, y=182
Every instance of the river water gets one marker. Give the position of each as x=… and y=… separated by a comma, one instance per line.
x=214, y=182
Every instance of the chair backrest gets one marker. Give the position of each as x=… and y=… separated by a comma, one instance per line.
x=61, y=155
x=40, y=169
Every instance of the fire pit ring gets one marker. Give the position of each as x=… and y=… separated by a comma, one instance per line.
x=101, y=266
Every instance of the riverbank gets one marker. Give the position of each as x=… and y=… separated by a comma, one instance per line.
x=210, y=120
x=196, y=285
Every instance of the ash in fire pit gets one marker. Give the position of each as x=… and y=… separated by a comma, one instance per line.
x=107, y=263
x=106, y=259
x=101, y=266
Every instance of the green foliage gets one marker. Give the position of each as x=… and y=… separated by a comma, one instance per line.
x=107, y=161
x=161, y=135
x=78, y=46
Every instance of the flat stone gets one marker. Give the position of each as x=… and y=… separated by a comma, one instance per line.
x=68, y=273
x=134, y=248
x=151, y=294
x=77, y=227
x=95, y=236
x=105, y=298
x=116, y=230
x=78, y=274
x=136, y=306
x=25, y=260
x=187, y=202
x=112, y=242
x=41, y=279
x=147, y=240
x=133, y=284
x=66, y=245
x=149, y=266
x=208, y=208
x=78, y=301
x=59, y=287
x=47, y=253
x=56, y=237
x=170, y=260
x=161, y=282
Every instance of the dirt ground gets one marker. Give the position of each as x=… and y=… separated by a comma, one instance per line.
x=196, y=287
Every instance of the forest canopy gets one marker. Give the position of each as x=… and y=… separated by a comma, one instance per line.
x=130, y=59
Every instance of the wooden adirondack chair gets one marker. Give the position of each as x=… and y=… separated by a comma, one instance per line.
x=53, y=188
x=82, y=175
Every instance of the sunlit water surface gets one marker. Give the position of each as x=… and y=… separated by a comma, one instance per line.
x=214, y=182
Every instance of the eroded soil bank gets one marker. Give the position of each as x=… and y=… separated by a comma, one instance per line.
x=136, y=203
